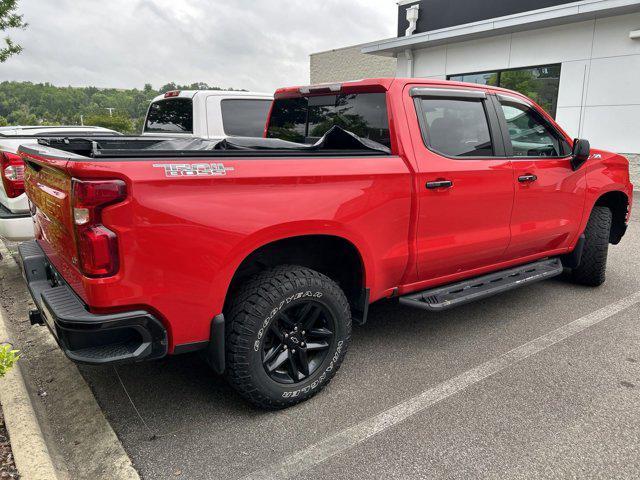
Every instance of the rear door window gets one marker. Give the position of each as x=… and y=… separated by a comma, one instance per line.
x=170, y=116
x=306, y=120
x=457, y=127
x=245, y=117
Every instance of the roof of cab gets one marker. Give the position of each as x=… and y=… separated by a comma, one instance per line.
x=364, y=85
x=378, y=85
x=226, y=93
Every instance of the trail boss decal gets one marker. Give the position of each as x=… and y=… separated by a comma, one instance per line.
x=194, y=169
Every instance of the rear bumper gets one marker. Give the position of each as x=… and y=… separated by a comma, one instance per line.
x=15, y=226
x=85, y=337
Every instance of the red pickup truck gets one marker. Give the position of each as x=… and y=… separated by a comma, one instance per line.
x=261, y=252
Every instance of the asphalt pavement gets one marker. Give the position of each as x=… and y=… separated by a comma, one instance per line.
x=569, y=408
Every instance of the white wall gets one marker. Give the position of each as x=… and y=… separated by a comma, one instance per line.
x=599, y=97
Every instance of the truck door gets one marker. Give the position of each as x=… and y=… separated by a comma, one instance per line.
x=465, y=184
x=549, y=195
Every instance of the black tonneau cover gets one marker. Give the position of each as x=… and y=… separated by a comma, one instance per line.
x=336, y=141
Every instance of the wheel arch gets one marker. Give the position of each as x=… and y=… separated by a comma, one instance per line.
x=618, y=202
x=333, y=255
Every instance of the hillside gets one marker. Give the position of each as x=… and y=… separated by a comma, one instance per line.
x=26, y=103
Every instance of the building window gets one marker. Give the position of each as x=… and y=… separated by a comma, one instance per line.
x=541, y=84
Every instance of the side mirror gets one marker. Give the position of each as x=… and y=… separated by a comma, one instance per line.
x=581, y=153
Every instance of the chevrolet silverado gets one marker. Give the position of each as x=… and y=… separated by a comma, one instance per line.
x=260, y=252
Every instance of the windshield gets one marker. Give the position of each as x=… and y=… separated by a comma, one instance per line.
x=170, y=116
x=306, y=120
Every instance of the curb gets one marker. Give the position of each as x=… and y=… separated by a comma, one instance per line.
x=27, y=442
x=81, y=442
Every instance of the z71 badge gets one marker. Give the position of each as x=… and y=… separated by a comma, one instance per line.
x=194, y=169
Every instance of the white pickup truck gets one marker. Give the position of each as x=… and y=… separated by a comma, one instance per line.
x=213, y=114
x=15, y=219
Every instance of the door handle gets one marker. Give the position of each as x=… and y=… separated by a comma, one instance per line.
x=439, y=184
x=528, y=178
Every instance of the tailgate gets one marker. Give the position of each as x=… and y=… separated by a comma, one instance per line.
x=48, y=186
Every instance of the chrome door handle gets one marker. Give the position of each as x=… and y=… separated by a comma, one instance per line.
x=439, y=184
x=527, y=178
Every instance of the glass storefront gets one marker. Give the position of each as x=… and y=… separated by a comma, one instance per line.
x=541, y=84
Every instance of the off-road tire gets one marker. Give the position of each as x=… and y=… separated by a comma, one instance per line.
x=250, y=314
x=593, y=265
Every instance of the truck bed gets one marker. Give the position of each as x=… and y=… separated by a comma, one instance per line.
x=336, y=142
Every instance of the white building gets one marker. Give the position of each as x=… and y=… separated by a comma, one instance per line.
x=580, y=60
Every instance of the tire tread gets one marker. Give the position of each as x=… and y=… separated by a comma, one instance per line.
x=593, y=265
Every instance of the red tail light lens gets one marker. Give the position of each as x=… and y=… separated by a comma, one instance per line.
x=97, y=245
x=12, y=173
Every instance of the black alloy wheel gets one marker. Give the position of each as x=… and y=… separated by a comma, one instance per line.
x=297, y=342
x=288, y=329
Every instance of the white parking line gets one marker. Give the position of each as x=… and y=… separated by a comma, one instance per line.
x=346, y=439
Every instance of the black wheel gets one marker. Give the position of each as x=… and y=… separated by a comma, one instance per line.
x=593, y=265
x=289, y=329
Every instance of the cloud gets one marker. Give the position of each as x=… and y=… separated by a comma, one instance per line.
x=253, y=44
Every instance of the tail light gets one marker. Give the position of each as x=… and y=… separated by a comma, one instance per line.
x=97, y=245
x=12, y=173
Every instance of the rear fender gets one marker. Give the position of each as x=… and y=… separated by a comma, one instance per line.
x=285, y=231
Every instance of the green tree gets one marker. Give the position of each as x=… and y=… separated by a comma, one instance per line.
x=26, y=103
x=116, y=122
x=9, y=19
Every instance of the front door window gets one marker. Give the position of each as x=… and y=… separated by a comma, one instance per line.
x=530, y=134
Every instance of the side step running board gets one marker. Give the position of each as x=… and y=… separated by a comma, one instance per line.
x=449, y=296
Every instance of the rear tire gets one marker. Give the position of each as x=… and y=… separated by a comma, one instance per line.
x=593, y=265
x=289, y=329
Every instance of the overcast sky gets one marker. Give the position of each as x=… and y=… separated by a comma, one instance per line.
x=253, y=44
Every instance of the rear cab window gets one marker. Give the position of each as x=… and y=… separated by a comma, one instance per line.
x=307, y=119
x=244, y=117
x=174, y=115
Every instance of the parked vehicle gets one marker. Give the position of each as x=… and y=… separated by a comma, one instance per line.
x=15, y=220
x=261, y=252
x=214, y=114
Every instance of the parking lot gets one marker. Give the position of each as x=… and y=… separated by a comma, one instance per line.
x=567, y=407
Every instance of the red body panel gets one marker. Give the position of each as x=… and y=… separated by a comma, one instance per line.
x=465, y=227
x=181, y=239
x=548, y=212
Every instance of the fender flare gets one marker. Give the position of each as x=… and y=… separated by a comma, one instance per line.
x=261, y=238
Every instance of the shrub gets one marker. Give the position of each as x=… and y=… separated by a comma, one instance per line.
x=8, y=358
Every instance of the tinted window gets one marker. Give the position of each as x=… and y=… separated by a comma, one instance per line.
x=541, y=84
x=531, y=135
x=170, y=116
x=457, y=128
x=305, y=120
x=245, y=118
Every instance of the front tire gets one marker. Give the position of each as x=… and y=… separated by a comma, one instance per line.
x=289, y=329
x=593, y=265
